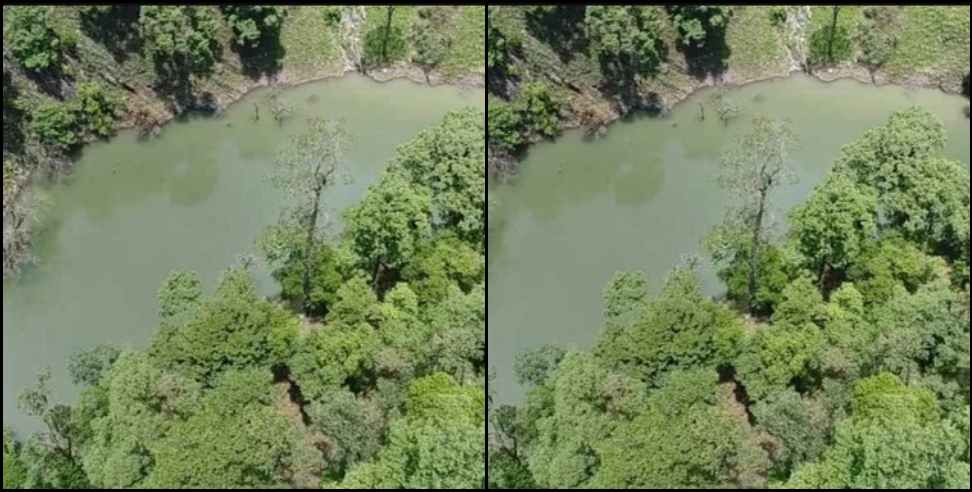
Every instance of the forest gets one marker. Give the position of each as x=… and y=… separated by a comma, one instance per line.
x=368, y=369
x=838, y=358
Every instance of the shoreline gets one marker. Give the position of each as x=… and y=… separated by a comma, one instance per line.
x=506, y=166
x=287, y=81
x=21, y=240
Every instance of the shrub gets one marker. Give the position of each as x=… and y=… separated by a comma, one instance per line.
x=332, y=15
x=539, y=109
x=430, y=42
x=504, y=127
x=56, y=124
x=876, y=35
x=535, y=111
x=829, y=46
x=95, y=109
x=777, y=15
x=32, y=40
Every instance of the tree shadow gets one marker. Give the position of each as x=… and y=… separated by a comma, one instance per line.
x=558, y=27
x=621, y=81
x=115, y=27
x=264, y=59
x=13, y=118
x=709, y=59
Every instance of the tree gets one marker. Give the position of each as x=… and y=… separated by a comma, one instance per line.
x=581, y=403
x=234, y=328
x=52, y=457
x=441, y=264
x=697, y=23
x=895, y=439
x=680, y=329
x=253, y=23
x=181, y=40
x=751, y=173
x=384, y=43
x=835, y=226
x=388, y=226
x=446, y=163
x=437, y=444
x=14, y=470
x=919, y=194
x=235, y=439
x=533, y=367
x=303, y=170
x=682, y=439
x=32, y=40
x=624, y=38
x=353, y=427
x=87, y=368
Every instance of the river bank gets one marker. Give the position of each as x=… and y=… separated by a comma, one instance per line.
x=757, y=50
x=313, y=51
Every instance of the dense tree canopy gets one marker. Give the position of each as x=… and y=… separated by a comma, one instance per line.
x=854, y=375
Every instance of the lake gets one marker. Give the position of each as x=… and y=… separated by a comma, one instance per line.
x=643, y=198
x=195, y=198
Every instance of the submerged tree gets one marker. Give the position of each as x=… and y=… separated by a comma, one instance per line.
x=751, y=173
x=306, y=167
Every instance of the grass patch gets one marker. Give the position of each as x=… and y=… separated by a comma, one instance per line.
x=932, y=40
x=757, y=47
x=311, y=42
x=467, y=54
x=848, y=17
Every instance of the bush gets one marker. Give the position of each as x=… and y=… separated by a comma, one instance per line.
x=777, y=15
x=539, y=110
x=95, y=109
x=56, y=124
x=91, y=112
x=32, y=40
x=876, y=35
x=332, y=15
x=430, y=42
x=829, y=46
x=534, y=112
x=504, y=126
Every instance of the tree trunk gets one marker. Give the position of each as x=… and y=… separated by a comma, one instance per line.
x=754, y=251
x=309, y=247
x=833, y=32
x=384, y=43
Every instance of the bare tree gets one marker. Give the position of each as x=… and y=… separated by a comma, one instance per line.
x=303, y=170
x=751, y=172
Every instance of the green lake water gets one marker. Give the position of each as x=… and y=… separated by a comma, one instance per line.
x=194, y=199
x=645, y=195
